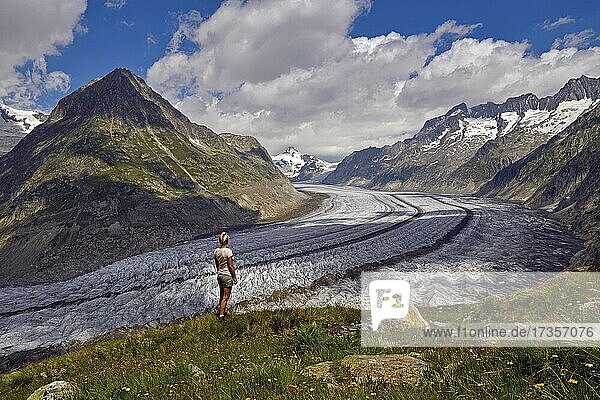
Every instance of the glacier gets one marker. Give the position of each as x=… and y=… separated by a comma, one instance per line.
x=308, y=261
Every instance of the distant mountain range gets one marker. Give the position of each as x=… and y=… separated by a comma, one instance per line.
x=463, y=149
x=541, y=151
x=302, y=167
x=15, y=124
x=116, y=170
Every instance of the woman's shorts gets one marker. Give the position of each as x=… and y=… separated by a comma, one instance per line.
x=225, y=280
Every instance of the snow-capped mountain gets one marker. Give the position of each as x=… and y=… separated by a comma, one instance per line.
x=15, y=124
x=464, y=148
x=299, y=166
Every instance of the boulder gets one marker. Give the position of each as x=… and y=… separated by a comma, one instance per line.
x=388, y=368
x=57, y=390
x=322, y=372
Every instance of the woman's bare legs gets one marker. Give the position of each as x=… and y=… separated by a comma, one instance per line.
x=225, y=293
x=221, y=292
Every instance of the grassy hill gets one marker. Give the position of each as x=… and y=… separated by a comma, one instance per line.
x=262, y=355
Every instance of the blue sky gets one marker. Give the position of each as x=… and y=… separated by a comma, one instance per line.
x=293, y=73
x=511, y=20
x=137, y=34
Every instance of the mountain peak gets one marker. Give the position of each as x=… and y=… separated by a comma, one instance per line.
x=120, y=94
x=120, y=72
x=457, y=109
x=580, y=88
x=291, y=150
x=298, y=166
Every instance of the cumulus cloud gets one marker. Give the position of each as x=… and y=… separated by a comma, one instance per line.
x=29, y=31
x=550, y=25
x=576, y=39
x=289, y=73
x=491, y=70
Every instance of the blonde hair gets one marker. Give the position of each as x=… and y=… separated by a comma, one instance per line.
x=223, y=239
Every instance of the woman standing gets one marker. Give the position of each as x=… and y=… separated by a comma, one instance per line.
x=225, y=272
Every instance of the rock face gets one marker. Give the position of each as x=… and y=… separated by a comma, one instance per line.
x=562, y=175
x=462, y=150
x=301, y=167
x=116, y=170
x=15, y=124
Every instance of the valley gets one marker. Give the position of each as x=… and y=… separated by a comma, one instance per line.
x=307, y=261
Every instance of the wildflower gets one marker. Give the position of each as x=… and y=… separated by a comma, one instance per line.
x=539, y=385
x=126, y=389
x=509, y=363
x=573, y=381
x=554, y=356
x=589, y=365
x=373, y=394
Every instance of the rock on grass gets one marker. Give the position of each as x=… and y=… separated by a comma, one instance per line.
x=57, y=390
x=388, y=368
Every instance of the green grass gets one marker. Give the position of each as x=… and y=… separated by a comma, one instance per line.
x=260, y=355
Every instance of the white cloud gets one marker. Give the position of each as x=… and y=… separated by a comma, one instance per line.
x=127, y=24
x=576, y=39
x=115, y=4
x=477, y=71
x=289, y=73
x=29, y=31
x=550, y=25
x=150, y=39
x=57, y=81
x=36, y=80
x=188, y=23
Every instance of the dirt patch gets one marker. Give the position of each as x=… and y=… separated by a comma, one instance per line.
x=307, y=205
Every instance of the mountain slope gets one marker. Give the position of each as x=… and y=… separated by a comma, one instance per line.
x=116, y=170
x=301, y=167
x=463, y=149
x=564, y=176
x=15, y=124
